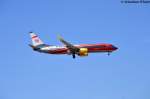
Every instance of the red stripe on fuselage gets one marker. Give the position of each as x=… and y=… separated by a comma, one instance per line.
x=90, y=47
x=97, y=47
x=59, y=51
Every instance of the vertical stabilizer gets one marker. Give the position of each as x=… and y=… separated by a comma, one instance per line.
x=35, y=39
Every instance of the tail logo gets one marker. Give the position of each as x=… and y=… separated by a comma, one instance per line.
x=37, y=40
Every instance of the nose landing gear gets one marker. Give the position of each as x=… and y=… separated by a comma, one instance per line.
x=108, y=53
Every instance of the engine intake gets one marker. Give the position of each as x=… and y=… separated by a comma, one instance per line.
x=83, y=52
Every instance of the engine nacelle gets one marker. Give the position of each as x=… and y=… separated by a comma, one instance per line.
x=83, y=52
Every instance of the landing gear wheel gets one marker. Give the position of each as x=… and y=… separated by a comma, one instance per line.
x=108, y=53
x=74, y=56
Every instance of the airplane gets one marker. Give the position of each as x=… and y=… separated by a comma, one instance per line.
x=68, y=48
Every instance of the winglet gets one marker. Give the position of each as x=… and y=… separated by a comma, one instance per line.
x=59, y=37
x=30, y=32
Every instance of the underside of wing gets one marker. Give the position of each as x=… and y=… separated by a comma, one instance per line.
x=73, y=49
x=67, y=44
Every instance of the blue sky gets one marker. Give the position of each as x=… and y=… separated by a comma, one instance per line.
x=25, y=74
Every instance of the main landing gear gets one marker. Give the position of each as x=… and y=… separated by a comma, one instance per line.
x=73, y=55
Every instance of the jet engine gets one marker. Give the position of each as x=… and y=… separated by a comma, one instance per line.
x=83, y=52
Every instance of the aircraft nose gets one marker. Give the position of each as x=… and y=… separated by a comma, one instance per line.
x=115, y=48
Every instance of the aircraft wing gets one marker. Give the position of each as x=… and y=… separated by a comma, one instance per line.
x=71, y=47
